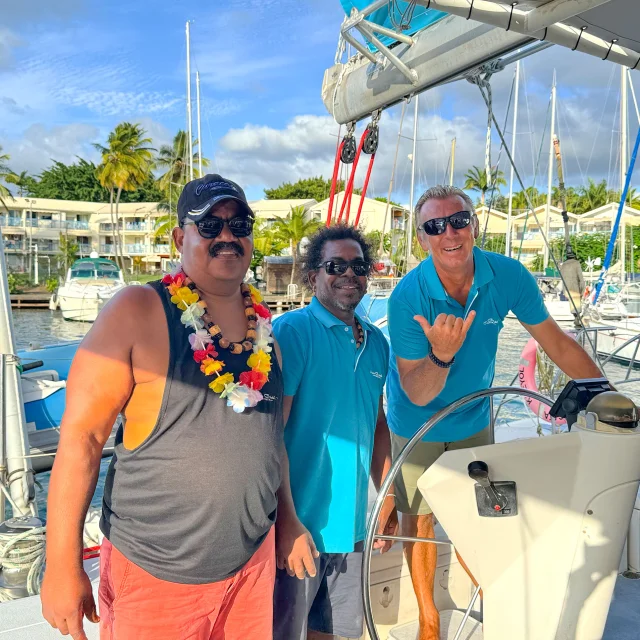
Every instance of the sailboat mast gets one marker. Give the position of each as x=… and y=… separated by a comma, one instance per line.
x=409, y=235
x=507, y=249
x=189, y=123
x=547, y=222
x=453, y=161
x=199, y=132
x=623, y=165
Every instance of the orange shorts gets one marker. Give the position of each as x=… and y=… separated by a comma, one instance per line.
x=136, y=606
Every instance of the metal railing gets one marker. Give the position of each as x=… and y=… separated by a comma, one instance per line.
x=161, y=248
x=10, y=222
x=77, y=224
x=135, y=249
x=109, y=249
x=14, y=245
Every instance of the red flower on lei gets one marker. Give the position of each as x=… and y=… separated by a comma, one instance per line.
x=253, y=379
x=207, y=352
x=262, y=311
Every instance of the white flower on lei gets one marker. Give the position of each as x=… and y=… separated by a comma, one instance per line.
x=264, y=337
x=200, y=339
x=254, y=396
x=237, y=397
x=191, y=316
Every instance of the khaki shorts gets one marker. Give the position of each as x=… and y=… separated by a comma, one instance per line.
x=408, y=498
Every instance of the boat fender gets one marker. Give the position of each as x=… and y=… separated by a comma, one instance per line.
x=527, y=380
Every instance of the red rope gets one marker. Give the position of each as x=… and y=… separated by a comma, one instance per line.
x=334, y=182
x=364, y=189
x=348, y=192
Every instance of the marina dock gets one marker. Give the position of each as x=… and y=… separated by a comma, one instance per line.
x=36, y=300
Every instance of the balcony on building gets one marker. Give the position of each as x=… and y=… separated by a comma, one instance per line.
x=14, y=219
x=14, y=244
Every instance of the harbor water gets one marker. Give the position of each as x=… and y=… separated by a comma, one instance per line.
x=42, y=327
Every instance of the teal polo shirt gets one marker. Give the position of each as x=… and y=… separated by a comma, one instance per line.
x=500, y=284
x=330, y=432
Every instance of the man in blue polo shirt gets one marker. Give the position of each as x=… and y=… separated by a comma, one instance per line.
x=444, y=319
x=335, y=364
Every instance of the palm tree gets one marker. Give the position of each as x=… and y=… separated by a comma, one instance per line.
x=520, y=199
x=594, y=195
x=21, y=181
x=5, y=172
x=476, y=180
x=292, y=230
x=126, y=163
x=175, y=159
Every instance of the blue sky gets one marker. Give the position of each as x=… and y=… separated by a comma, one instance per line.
x=72, y=69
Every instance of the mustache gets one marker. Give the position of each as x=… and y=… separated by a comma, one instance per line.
x=218, y=247
x=340, y=282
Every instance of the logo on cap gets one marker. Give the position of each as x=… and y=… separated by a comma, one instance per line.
x=209, y=186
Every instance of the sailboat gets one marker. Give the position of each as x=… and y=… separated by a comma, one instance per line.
x=532, y=589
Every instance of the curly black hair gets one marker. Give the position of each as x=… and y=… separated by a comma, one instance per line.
x=317, y=241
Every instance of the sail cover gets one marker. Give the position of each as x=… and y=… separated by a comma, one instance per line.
x=396, y=15
x=471, y=34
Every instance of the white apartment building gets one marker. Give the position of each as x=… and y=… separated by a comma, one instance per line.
x=39, y=222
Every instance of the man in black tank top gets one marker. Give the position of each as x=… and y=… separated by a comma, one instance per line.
x=190, y=495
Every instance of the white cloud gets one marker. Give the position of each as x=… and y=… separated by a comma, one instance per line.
x=8, y=42
x=40, y=145
x=261, y=156
x=118, y=103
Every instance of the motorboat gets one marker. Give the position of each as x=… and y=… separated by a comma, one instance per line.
x=89, y=285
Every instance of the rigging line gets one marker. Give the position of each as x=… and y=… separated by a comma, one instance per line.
x=611, y=152
x=562, y=112
x=544, y=237
x=633, y=95
x=495, y=176
x=604, y=108
x=535, y=174
x=531, y=132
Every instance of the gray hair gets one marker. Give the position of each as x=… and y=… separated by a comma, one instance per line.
x=440, y=192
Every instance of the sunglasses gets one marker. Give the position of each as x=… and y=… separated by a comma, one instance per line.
x=240, y=226
x=338, y=267
x=437, y=226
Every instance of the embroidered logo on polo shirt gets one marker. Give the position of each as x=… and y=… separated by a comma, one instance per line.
x=375, y=374
x=269, y=398
x=491, y=321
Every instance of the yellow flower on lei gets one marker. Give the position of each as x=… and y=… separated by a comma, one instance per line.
x=218, y=385
x=209, y=366
x=260, y=361
x=256, y=296
x=184, y=297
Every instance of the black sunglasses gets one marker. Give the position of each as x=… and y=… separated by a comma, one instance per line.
x=437, y=226
x=210, y=227
x=338, y=267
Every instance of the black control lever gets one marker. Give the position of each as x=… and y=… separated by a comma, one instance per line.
x=479, y=471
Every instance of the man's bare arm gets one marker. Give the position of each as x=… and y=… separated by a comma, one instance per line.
x=563, y=350
x=99, y=384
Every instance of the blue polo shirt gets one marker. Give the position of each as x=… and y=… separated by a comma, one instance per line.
x=500, y=284
x=330, y=432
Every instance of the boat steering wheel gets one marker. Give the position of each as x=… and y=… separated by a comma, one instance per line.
x=393, y=472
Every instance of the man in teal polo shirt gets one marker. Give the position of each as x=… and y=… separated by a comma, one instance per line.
x=444, y=319
x=334, y=364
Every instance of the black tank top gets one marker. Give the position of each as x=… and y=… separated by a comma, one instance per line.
x=195, y=500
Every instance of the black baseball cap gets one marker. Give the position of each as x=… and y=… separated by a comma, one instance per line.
x=200, y=195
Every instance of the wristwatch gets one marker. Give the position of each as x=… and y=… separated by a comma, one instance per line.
x=440, y=363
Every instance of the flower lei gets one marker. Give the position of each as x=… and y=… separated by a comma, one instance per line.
x=246, y=391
